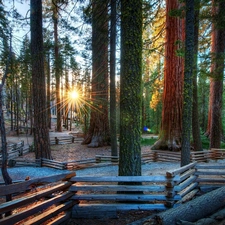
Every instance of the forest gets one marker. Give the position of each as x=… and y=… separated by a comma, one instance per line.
x=120, y=68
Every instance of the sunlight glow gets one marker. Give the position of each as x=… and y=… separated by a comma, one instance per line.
x=74, y=95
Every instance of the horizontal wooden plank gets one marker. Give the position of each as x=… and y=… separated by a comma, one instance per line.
x=124, y=197
x=185, y=183
x=44, y=216
x=115, y=188
x=6, y=206
x=157, y=178
x=187, y=174
x=61, y=219
x=207, y=166
x=175, y=172
x=23, y=186
x=34, y=209
x=211, y=172
x=188, y=189
x=166, y=152
x=210, y=180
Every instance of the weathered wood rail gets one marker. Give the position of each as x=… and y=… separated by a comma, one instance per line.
x=100, y=196
x=15, y=150
x=210, y=177
x=49, y=201
x=62, y=140
x=169, y=156
x=97, y=197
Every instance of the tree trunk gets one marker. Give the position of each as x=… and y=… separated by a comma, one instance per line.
x=5, y=174
x=41, y=132
x=171, y=126
x=217, y=69
x=57, y=70
x=131, y=88
x=191, y=211
x=197, y=143
x=113, y=120
x=48, y=90
x=188, y=83
x=98, y=132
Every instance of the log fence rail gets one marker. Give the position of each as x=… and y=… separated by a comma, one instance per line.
x=88, y=197
x=49, y=201
x=100, y=196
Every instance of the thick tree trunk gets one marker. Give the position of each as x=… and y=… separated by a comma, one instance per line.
x=188, y=83
x=57, y=68
x=98, y=133
x=191, y=211
x=5, y=174
x=113, y=120
x=171, y=127
x=197, y=144
x=218, y=46
x=41, y=132
x=48, y=90
x=214, y=127
x=131, y=88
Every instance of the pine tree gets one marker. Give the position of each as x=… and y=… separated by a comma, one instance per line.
x=41, y=132
x=131, y=88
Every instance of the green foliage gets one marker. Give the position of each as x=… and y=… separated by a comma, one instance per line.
x=147, y=141
x=205, y=143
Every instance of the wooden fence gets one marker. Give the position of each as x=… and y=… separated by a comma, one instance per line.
x=39, y=205
x=104, y=160
x=15, y=150
x=61, y=140
x=88, y=197
x=210, y=176
x=104, y=196
x=169, y=156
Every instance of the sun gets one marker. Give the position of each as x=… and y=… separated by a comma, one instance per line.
x=74, y=95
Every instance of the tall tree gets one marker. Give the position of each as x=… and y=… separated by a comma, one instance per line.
x=188, y=83
x=7, y=53
x=113, y=131
x=41, y=132
x=197, y=144
x=55, y=9
x=131, y=88
x=171, y=125
x=217, y=72
x=98, y=132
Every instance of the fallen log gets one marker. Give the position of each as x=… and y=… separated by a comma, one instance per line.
x=191, y=211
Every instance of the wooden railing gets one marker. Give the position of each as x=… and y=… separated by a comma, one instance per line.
x=15, y=150
x=62, y=140
x=104, y=196
x=210, y=177
x=39, y=204
x=89, y=197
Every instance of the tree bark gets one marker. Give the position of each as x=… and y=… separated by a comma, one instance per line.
x=5, y=174
x=217, y=69
x=188, y=83
x=98, y=133
x=57, y=67
x=113, y=120
x=131, y=88
x=191, y=211
x=41, y=132
x=171, y=125
x=197, y=143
